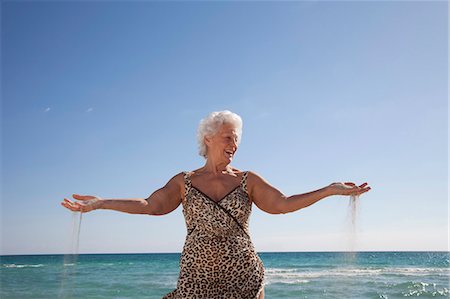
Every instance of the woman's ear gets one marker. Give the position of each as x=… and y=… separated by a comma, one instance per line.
x=207, y=140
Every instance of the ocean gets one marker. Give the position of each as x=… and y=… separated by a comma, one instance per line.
x=288, y=275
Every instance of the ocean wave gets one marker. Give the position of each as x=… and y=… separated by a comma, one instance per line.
x=284, y=273
x=21, y=266
x=418, y=271
x=280, y=270
x=286, y=281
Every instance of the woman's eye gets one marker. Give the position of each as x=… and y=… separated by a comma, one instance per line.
x=231, y=138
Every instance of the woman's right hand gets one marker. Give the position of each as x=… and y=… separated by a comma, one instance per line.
x=348, y=188
x=85, y=203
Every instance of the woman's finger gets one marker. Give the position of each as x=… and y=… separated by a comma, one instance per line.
x=363, y=190
x=78, y=197
x=82, y=197
x=69, y=207
x=67, y=201
x=349, y=183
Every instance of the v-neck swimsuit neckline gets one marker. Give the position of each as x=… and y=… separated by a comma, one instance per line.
x=210, y=198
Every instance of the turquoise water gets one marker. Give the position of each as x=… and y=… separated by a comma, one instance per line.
x=288, y=275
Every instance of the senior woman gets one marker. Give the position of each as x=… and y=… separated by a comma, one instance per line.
x=218, y=258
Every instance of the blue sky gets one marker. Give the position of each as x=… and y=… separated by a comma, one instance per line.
x=104, y=98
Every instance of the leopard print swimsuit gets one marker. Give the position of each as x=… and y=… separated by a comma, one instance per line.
x=218, y=258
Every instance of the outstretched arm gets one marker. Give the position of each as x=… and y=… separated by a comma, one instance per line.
x=271, y=200
x=160, y=202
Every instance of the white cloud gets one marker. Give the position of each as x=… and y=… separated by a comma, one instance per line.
x=47, y=109
x=90, y=110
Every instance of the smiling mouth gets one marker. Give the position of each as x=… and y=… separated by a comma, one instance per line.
x=229, y=153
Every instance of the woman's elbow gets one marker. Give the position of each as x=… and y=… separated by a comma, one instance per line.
x=156, y=208
x=151, y=208
x=282, y=206
x=274, y=209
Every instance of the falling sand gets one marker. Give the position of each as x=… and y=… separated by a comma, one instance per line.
x=353, y=212
x=70, y=259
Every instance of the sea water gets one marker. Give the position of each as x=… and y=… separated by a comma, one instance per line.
x=288, y=275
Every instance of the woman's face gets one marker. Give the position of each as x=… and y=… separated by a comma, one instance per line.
x=223, y=145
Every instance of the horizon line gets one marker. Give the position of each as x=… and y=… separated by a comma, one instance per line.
x=323, y=251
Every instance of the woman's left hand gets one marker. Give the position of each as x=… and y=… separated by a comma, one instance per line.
x=348, y=188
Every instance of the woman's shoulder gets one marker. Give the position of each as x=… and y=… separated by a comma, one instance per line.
x=178, y=178
x=191, y=173
x=251, y=173
x=254, y=178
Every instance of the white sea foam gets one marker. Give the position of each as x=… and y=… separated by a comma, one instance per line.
x=419, y=271
x=22, y=266
x=284, y=275
x=280, y=270
x=286, y=281
x=422, y=288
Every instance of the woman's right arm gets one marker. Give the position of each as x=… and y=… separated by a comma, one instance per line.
x=160, y=202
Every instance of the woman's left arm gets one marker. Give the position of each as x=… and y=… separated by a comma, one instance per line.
x=272, y=201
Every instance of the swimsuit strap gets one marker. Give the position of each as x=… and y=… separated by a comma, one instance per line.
x=187, y=183
x=244, y=181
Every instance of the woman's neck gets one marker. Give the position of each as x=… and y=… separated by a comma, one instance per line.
x=216, y=168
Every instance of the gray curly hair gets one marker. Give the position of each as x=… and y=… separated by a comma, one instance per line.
x=211, y=124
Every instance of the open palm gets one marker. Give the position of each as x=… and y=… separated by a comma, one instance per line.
x=84, y=203
x=348, y=188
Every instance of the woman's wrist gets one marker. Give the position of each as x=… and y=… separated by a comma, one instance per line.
x=330, y=191
x=101, y=204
